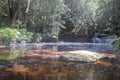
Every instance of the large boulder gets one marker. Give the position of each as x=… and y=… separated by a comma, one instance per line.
x=81, y=56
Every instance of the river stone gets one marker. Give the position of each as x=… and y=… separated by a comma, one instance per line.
x=81, y=56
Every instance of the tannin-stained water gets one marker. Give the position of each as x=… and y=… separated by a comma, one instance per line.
x=34, y=69
x=37, y=68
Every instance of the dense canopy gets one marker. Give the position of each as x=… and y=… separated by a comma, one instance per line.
x=55, y=18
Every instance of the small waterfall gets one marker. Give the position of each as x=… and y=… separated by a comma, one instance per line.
x=109, y=39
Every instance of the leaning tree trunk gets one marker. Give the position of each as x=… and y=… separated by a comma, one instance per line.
x=27, y=9
x=28, y=5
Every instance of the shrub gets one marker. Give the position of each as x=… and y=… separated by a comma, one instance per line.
x=117, y=44
x=24, y=35
x=36, y=37
x=8, y=35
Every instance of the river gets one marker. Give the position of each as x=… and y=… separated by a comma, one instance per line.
x=36, y=68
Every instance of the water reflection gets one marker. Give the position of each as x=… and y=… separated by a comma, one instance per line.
x=65, y=46
x=34, y=67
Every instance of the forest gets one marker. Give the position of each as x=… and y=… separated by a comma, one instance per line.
x=62, y=20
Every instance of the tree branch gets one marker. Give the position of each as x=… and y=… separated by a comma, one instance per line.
x=28, y=5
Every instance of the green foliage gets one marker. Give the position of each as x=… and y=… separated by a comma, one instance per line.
x=48, y=17
x=117, y=44
x=107, y=16
x=24, y=35
x=47, y=38
x=8, y=35
x=80, y=14
x=43, y=17
x=36, y=37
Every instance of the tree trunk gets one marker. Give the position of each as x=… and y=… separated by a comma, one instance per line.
x=27, y=9
x=13, y=12
x=28, y=5
x=10, y=5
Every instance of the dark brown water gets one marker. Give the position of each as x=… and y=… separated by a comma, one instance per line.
x=37, y=68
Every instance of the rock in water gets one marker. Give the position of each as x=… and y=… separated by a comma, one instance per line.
x=81, y=56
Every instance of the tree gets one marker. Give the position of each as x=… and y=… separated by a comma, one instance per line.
x=45, y=17
x=14, y=8
x=3, y=13
x=107, y=17
x=80, y=14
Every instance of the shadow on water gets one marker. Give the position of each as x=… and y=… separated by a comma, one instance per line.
x=37, y=68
